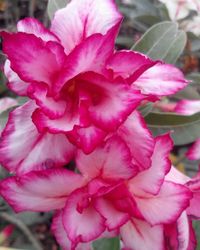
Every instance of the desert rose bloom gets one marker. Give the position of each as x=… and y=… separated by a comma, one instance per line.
x=179, y=9
x=80, y=88
x=109, y=194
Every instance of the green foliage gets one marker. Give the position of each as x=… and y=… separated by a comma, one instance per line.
x=107, y=244
x=185, y=129
x=162, y=41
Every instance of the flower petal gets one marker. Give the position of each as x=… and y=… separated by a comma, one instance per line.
x=176, y=176
x=25, y=61
x=14, y=82
x=187, y=107
x=157, y=80
x=143, y=144
x=138, y=234
x=194, y=186
x=41, y=190
x=51, y=107
x=128, y=64
x=23, y=149
x=33, y=26
x=115, y=102
x=81, y=226
x=61, y=235
x=90, y=55
x=62, y=124
x=87, y=139
x=80, y=20
x=194, y=151
x=165, y=207
x=114, y=218
x=178, y=235
x=151, y=180
x=111, y=161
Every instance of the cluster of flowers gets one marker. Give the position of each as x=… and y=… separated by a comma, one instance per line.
x=82, y=105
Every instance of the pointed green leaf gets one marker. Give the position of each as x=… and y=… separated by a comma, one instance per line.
x=185, y=129
x=155, y=42
x=54, y=5
x=176, y=48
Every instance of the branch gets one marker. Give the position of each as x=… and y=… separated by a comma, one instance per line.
x=13, y=220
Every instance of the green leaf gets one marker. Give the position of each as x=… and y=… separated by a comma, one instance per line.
x=176, y=48
x=54, y=5
x=107, y=244
x=185, y=129
x=156, y=40
x=162, y=41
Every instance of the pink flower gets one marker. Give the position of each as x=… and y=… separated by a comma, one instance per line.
x=187, y=107
x=110, y=194
x=81, y=90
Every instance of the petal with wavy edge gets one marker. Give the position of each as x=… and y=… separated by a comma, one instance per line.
x=90, y=55
x=129, y=64
x=85, y=225
x=178, y=234
x=61, y=235
x=14, y=82
x=138, y=234
x=33, y=26
x=142, y=145
x=30, y=62
x=193, y=152
x=111, y=161
x=87, y=139
x=23, y=149
x=187, y=107
x=157, y=80
x=194, y=186
x=80, y=20
x=165, y=207
x=51, y=107
x=151, y=180
x=62, y=124
x=40, y=190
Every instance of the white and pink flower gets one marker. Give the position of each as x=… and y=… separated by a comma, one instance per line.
x=109, y=194
x=80, y=88
x=82, y=100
